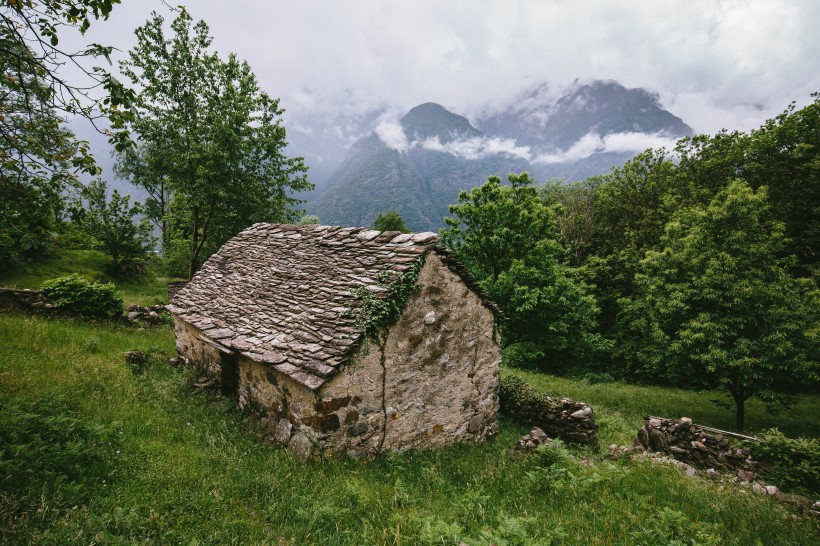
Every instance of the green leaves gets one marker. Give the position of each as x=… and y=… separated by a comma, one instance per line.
x=507, y=237
x=377, y=312
x=210, y=140
x=716, y=306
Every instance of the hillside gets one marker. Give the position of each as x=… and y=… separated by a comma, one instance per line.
x=94, y=452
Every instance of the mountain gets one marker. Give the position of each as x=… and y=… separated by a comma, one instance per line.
x=588, y=129
x=432, y=155
x=419, y=164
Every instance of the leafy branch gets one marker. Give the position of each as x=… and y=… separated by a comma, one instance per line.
x=381, y=309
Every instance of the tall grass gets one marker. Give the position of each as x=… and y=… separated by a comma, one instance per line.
x=165, y=463
x=620, y=407
x=147, y=289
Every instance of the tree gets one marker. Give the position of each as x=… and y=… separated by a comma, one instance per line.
x=507, y=237
x=390, y=221
x=308, y=219
x=115, y=225
x=41, y=159
x=715, y=306
x=212, y=138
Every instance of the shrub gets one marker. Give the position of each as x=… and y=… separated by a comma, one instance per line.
x=593, y=378
x=525, y=355
x=792, y=464
x=77, y=295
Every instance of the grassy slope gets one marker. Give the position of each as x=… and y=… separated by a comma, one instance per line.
x=620, y=407
x=145, y=290
x=171, y=465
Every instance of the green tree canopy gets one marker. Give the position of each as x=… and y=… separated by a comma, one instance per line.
x=40, y=159
x=715, y=306
x=390, y=221
x=210, y=140
x=507, y=237
x=117, y=225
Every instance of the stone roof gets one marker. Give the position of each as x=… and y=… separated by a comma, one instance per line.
x=281, y=294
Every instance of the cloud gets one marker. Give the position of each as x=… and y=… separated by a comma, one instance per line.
x=391, y=133
x=478, y=147
x=592, y=143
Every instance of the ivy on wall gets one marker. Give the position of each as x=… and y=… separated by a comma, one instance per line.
x=381, y=310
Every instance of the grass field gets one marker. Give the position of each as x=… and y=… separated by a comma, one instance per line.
x=146, y=290
x=620, y=407
x=94, y=452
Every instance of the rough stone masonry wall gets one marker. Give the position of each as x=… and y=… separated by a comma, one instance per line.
x=691, y=444
x=25, y=299
x=432, y=382
x=204, y=357
x=564, y=418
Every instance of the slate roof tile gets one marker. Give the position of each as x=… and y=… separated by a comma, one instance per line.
x=281, y=292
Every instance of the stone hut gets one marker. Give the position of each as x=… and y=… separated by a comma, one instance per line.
x=345, y=339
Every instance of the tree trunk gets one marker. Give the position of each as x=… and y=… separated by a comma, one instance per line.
x=194, y=233
x=740, y=414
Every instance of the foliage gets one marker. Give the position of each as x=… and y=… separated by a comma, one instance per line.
x=390, y=221
x=40, y=158
x=524, y=355
x=549, y=305
x=507, y=237
x=717, y=306
x=792, y=464
x=783, y=155
x=211, y=142
x=494, y=224
x=379, y=310
x=113, y=224
x=308, y=219
x=77, y=295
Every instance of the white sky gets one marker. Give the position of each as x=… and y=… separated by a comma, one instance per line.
x=716, y=64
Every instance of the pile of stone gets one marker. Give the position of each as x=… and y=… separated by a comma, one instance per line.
x=25, y=299
x=153, y=314
x=746, y=479
x=531, y=441
x=692, y=444
x=564, y=418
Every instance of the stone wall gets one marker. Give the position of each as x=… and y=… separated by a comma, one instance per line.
x=431, y=383
x=174, y=287
x=23, y=299
x=693, y=445
x=563, y=418
x=152, y=314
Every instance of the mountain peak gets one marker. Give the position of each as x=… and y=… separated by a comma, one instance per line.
x=431, y=120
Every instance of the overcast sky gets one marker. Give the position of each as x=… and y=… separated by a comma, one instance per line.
x=715, y=64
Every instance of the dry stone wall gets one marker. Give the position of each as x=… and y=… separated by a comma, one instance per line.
x=693, y=445
x=23, y=299
x=563, y=418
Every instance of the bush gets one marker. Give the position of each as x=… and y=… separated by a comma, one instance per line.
x=77, y=295
x=525, y=355
x=792, y=464
x=593, y=378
